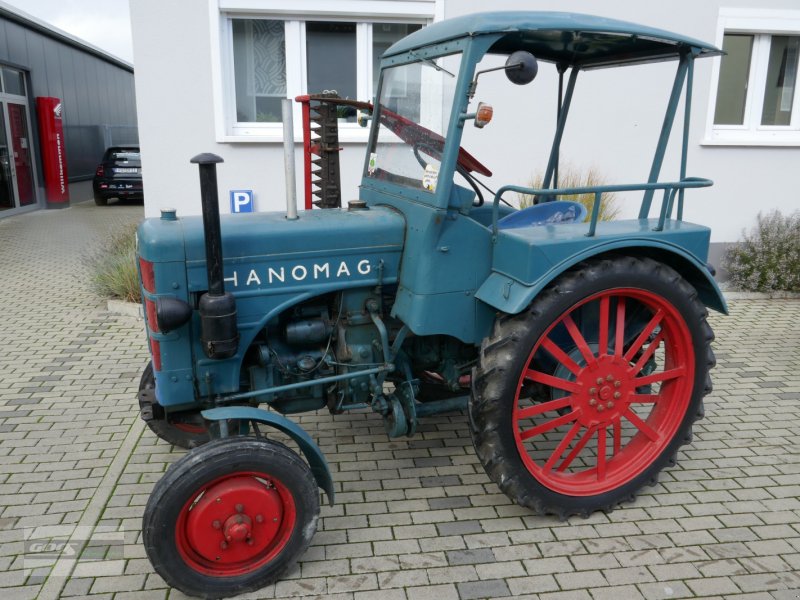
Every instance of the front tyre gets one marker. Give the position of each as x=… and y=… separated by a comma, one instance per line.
x=582, y=399
x=184, y=429
x=230, y=517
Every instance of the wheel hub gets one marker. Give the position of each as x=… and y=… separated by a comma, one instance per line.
x=605, y=391
x=235, y=521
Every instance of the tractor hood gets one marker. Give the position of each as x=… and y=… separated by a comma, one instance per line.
x=332, y=248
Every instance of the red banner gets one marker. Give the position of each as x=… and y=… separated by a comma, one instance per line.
x=54, y=158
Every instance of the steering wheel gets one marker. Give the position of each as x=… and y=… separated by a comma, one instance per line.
x=430, y=151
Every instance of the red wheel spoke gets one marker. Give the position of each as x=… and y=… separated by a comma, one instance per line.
x=560, y=356
x=645, y=333
x=617, y=429
x=556, y=382
x=601, y=453
x=660, y=376
x=619, y=340
x=552, y=424
x=562, y=446
x=537, y=409
x=603, y=326
x=651, y=348
x=648, y=431
x=644, y=398
x=579, y=340
x=577, y=449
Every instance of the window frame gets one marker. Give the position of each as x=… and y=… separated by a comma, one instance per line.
x=762, y=25
x=364, y=13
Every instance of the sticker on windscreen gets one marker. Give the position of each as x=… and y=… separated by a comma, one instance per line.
x=373, y=163
x=430, y=177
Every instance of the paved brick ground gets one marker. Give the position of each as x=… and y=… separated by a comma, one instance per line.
x=415, y=519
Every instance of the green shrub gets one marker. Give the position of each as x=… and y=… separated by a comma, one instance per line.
x=768, y=258
x=569, y=177
x=113, y=271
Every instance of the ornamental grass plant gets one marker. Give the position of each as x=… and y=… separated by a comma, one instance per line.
x=112, y=266
x=571, y=177
x=768, y=258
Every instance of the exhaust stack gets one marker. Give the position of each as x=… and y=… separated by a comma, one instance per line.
x=288, y=159
x=218, y=330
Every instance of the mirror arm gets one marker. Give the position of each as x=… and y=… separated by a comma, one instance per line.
x=474, y=85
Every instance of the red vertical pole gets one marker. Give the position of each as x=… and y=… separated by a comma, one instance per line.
x=305, y=101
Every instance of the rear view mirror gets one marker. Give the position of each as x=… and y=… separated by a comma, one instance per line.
x=521, y=67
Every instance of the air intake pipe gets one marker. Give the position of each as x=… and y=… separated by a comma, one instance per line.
x=218, y=330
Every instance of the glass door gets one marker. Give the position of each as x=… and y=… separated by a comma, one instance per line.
x=21, y=152
x=6, y=180
x=17, y=176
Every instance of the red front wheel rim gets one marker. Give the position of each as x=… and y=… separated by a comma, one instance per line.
x=235, y=524
x=604, y=391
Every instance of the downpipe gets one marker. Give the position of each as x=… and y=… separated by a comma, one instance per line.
x=218, y=331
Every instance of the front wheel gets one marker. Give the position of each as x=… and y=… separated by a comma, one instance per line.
x=184, y=429
x=230, y=517
x=582, y=399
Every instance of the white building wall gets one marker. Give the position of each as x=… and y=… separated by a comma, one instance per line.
x=614, y=123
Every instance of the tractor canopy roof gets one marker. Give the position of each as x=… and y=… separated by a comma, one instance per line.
x=572, y=39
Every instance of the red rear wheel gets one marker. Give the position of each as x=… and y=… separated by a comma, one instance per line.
x=583, y=398
x=618, y=403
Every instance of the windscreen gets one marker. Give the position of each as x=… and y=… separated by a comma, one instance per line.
x=414, y=105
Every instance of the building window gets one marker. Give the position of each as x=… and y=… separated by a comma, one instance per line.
x=755, y=100
x=267, y=58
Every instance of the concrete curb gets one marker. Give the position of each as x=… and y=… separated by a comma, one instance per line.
x=129, y=309
x=761, y=295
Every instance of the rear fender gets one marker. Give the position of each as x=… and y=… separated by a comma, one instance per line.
x=512, y=296
x=316, y=460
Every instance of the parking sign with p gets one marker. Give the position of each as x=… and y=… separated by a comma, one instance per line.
x=242, y=201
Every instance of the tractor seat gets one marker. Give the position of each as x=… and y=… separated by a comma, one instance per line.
x=546, y=213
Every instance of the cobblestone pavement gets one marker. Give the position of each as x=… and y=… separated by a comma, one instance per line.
x=414, y=519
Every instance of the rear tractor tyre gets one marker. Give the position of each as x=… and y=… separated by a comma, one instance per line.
x=185, y=430
x=230, y=517
x=582, y=399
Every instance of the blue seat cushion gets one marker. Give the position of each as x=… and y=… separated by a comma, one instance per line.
x=545, y=213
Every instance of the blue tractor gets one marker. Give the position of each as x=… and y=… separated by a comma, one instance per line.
x=579, y=348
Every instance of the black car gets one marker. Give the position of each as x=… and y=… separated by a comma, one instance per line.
x=119, y=175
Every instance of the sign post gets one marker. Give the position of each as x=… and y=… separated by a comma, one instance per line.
x=54, y=157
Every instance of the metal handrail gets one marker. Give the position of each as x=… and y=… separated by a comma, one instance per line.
x=670, y=189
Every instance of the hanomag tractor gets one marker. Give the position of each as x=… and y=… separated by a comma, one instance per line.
x=579, y=348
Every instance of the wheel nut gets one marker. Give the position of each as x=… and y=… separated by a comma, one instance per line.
x=599, y=381
x=592, y=402
x=609, y=378
x=617, y=384
x=240, y=519
x=259, y=519
x=216, y=524
x=592, y=391
x=609, y=405
x=601, y=408
x=239, y=508
x=223, y=545
x=617, y=395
